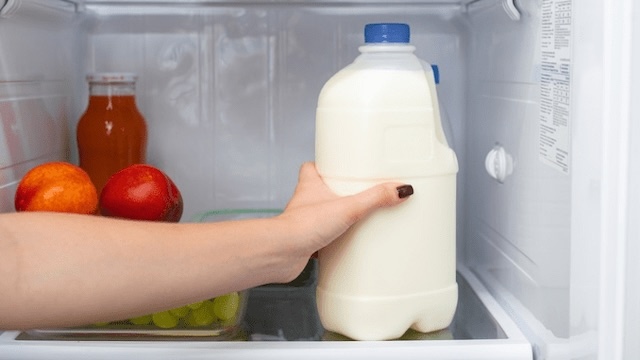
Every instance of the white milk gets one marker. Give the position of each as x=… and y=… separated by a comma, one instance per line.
x=377, y=120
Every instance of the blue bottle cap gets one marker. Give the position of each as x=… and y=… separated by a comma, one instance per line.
x=386, y=33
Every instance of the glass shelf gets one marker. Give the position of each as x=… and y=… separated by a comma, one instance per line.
x=288, y=313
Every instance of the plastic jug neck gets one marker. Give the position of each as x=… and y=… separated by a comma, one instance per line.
x=387, y=48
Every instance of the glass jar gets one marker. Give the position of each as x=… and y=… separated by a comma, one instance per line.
x=112, y=133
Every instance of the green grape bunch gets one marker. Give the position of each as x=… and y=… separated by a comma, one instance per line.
x=220, y=311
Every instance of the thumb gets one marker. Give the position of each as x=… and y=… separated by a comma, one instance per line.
x=383, y=195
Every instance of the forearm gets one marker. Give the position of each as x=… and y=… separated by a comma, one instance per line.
x=64, y=270
x=88, y=269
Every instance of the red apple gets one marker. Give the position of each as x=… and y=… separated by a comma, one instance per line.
x=141, y=192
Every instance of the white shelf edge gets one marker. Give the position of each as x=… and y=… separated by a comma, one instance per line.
x=544, y=343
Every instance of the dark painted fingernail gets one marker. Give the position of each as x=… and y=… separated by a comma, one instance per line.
x=404, y=191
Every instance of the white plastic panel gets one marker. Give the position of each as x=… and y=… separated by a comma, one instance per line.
x=619, y=314
x=537, y=238
x=519, y=229
x=632, y=293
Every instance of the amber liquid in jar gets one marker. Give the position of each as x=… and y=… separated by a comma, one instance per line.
x=112, y=133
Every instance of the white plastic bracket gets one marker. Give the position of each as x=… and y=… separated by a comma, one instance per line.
x=498, y=163
x=510, y=8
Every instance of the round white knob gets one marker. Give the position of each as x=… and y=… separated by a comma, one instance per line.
x=498, y=163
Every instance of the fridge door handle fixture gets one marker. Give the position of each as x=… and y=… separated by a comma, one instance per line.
x=511, y=9
x=8, y=7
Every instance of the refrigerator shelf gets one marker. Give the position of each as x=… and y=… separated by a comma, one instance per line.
x=282, y=323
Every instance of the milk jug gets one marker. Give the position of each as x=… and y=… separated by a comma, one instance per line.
x=377, y=120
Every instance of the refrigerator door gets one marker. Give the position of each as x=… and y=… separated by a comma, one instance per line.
x=552, y=239
x=620, y=243
x=532, y=237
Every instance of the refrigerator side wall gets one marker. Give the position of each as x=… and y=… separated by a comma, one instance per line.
x=39, y=50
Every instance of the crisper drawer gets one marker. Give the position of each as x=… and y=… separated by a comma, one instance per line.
x=282, y=323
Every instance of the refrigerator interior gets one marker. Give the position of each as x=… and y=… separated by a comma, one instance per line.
x=229, y=90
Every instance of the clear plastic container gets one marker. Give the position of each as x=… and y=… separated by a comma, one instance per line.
x=218, y=318
x=198, y=321
x=277, y=311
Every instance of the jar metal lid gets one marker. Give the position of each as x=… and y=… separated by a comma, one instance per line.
x=111, y=77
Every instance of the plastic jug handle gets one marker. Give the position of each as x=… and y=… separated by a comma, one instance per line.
x=439, y=131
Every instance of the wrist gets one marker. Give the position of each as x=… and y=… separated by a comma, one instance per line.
x=289, y=245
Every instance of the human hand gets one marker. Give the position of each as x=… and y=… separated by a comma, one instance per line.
x=318, y=216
